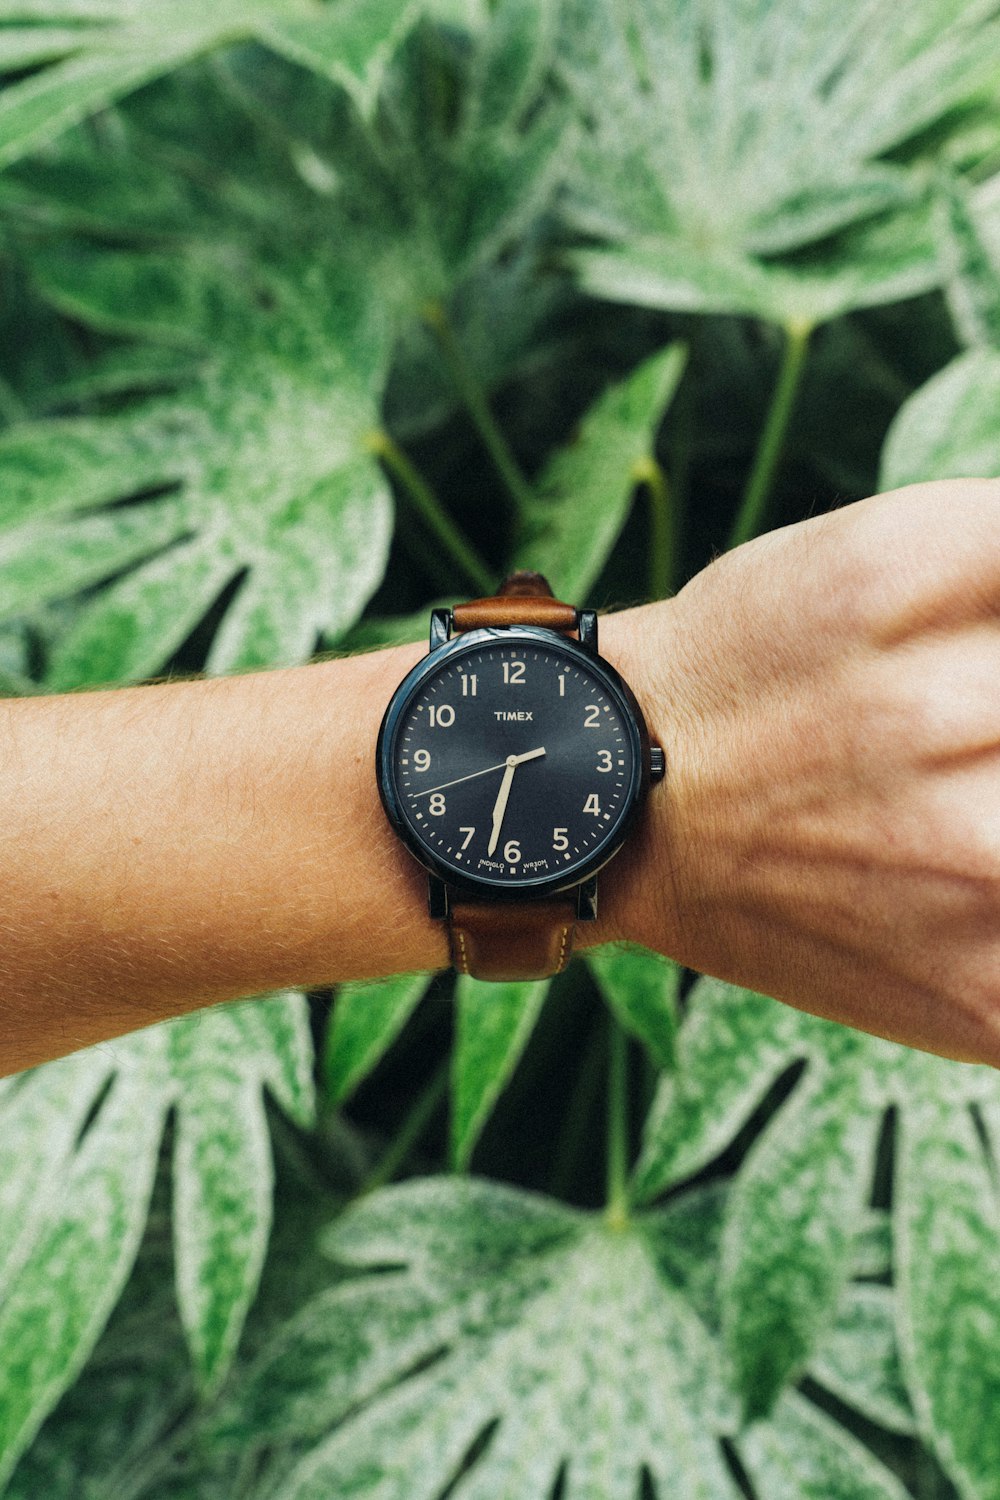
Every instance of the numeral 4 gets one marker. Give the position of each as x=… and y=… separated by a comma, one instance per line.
x=592, y=805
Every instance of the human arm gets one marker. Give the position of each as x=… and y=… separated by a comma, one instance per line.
x=829, y=830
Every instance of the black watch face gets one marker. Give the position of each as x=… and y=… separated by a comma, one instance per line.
x=512, y=761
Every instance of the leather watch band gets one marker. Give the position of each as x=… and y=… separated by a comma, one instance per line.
x=514, y=940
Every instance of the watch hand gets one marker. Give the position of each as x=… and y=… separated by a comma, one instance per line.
x=500, y=806
x=531, y=755
x=471, y=776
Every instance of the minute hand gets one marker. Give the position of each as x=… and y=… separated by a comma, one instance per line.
x=500, y=806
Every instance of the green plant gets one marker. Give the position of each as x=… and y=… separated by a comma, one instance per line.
x=312, y=314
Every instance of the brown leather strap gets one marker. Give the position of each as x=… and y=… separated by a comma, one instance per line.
x=512, y=939
x=524, y=598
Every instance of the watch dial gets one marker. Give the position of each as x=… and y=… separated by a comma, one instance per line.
x=514, y=763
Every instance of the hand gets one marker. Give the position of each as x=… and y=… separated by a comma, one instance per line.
x=500, y=805
x=829, y=829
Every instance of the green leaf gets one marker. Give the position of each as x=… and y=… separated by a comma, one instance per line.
x=791, y=1223
x=467, y=130
x=732, y=1048
x=642, y=988
x=724, y=141
x=947, y=1235
x=971, y=266
x=114, y=48
x=583, y=496
x=350, y=42
x=494, y=1023
x=222, y=1169
x=367, y=1018
x=74, y=1207
x=865, y=268
x=555, y=1337
x=82, y=1250
x=803, y=1455
x=948, y=428
x=255, y=476
x=858, y=1361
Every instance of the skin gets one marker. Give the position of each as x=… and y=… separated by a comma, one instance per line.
x=828, y=833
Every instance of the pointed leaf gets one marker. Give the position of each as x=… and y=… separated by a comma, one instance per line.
x=642, y=989
x=792, y=1217
x=53, y=1311
x=367, y=1018
x=948, y=428
x=583, y=495
x=803, y=1455
x=494, y=1024
x=947, y=1235
x=858, y=1358
x=731, y=1049
x=971, y=267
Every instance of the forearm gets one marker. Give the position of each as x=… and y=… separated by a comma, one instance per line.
x=170, y=846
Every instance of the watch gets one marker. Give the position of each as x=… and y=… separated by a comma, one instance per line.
x=512, y=761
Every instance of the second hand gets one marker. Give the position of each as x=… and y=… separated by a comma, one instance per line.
x=500, y=766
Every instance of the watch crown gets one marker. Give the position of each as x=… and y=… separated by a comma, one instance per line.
x=657, y=763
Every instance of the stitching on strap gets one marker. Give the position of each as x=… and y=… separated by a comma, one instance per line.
x=463, y=955
x=562, y=950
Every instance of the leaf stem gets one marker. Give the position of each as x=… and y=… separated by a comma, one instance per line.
x=772, y=439
x=617, y=1204
x=472, y=394
x=414, y=1124
x=430, y=510
x=662, y=532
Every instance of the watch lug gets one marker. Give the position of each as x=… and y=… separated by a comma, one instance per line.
x=437, y=898
x=586, y=900
x=440, y=628
x=588, y=628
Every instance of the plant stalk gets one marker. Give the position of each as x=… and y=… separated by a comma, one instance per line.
x=617, y=1201
x=431, y=512
x=412, y=1128
x=758, y=491
x=474, y=397
x=662, y=531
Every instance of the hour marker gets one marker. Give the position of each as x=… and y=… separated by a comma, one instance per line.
x=419, y=817
x=458, y=855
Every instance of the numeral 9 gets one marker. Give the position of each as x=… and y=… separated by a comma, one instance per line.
x=422, y=759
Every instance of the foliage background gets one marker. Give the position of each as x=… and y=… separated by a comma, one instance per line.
x=312, y=315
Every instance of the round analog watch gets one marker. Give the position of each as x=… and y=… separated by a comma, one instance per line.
x=512, y=761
